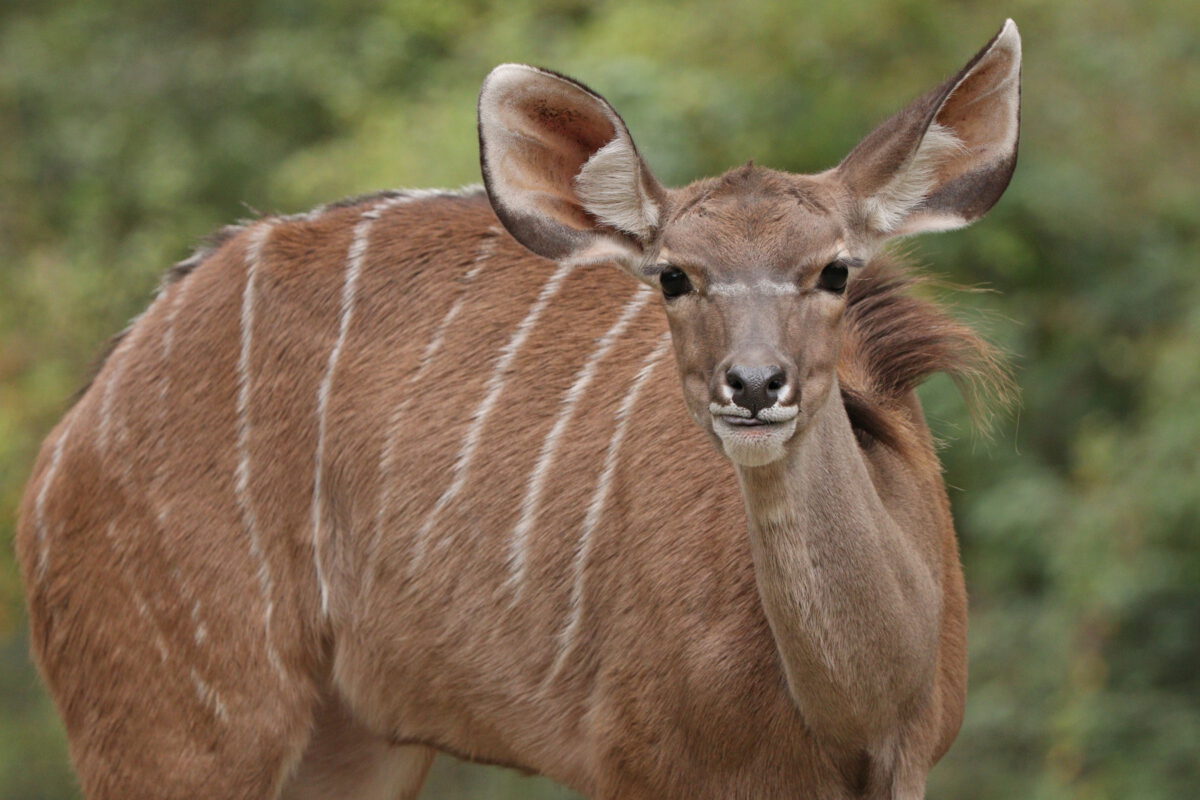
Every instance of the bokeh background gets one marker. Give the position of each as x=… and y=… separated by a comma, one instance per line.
x=130, y=128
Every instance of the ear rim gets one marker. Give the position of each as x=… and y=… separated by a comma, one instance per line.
x=556, y=241
x=974, y=193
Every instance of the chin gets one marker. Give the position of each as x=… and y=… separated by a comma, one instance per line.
x=754, y=446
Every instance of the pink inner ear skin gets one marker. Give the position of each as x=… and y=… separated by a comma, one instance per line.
x=558, y=119
x=983, y=121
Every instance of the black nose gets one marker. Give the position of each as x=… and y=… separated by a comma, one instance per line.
x=755, y=388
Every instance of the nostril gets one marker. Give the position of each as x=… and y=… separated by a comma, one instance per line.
x=776, y=382
x=755, y=387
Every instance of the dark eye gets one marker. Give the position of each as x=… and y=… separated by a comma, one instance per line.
x=674, y=282
x=833, y=277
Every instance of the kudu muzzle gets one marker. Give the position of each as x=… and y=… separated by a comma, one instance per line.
x=754, y=377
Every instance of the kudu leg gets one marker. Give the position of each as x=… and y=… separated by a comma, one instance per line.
x=160, y=666
x=130, y=739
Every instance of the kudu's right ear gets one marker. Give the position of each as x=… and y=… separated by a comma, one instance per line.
x=561, y=169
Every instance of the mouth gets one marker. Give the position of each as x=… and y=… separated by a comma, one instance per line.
x=743, y=422
x=739, y=416
x=753, y=439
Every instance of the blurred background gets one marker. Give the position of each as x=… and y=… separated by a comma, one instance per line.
x=130, y=128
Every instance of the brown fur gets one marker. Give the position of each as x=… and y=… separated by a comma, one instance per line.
x=723, y=603
x=895, y=340
x=277, y=547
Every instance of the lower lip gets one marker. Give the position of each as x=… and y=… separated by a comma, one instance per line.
x=755, y=444
x=745, y=425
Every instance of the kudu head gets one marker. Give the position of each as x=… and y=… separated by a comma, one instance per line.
x=753, y=266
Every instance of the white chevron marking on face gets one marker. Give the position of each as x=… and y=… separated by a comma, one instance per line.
x=764, y=287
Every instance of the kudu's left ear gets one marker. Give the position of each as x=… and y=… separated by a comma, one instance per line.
x=943, y=161
x=561, y=169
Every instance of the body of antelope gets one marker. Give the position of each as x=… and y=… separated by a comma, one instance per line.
x=615, y=483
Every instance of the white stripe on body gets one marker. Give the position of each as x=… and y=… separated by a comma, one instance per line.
x=180, y=289
x=208, y=696
x=517, y=556
x=188, y=597
x=408, y=195
x=168, y=338
x=112, y=381
x=494, y=386
x=39, y=504
x=596, y=507
x=143, y=610
x=201, y=631
x=119, y=359
x=205, y=693
x=258, y=239
x=389, y=196
x=178, y=292
x=355, y=259
x=388, y=456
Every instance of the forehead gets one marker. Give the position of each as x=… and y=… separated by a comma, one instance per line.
x=753, y=221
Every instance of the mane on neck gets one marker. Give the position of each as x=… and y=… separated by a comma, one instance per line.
x=894, y=341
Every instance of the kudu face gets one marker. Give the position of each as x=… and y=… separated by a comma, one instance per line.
x=753, y=266
x=753, y=269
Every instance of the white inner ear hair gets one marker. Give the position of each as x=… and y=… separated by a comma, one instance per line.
x=887, y=208
x=610, y=187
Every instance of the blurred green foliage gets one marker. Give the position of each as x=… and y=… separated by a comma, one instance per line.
x=129, y=128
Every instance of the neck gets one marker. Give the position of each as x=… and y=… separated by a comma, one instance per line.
x=852, y=605
x=821, y=465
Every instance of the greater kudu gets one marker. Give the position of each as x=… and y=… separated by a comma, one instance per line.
x=378, y=481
